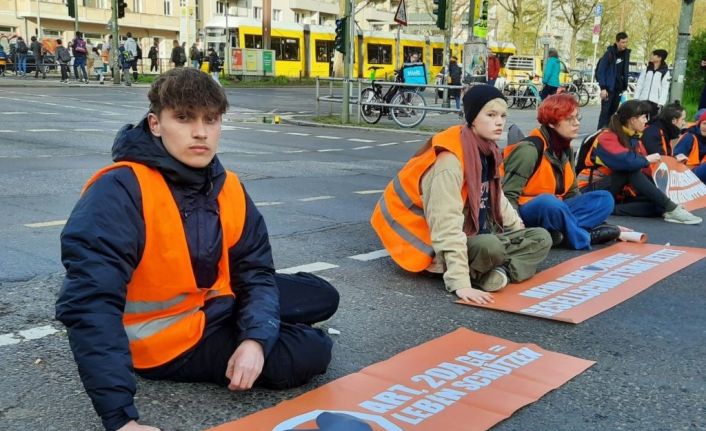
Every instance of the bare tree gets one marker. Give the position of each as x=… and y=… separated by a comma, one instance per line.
x=526, y=16
x=578, y=14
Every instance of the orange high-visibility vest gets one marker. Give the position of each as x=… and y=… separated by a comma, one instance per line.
x=162, y=315
x=398, y=217
x=694, y=160
x=543, y=180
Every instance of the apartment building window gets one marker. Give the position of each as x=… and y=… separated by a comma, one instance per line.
x=257, y=12
x=220, y=8
x=137, y=6
x=98, y=4
x=183, y=3
x=48, y=32
x=379, y=53
x=286, y=49
x=299, y=17
x=168, y=7
x=276, y=15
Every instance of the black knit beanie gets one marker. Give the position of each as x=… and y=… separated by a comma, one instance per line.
x=475, y=99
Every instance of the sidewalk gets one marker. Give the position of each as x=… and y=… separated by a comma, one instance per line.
x=53, y=81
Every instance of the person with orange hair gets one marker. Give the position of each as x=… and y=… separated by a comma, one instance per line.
x=539, y=180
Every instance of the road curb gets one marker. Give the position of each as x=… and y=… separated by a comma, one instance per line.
x=292, y=119
x=55, y=84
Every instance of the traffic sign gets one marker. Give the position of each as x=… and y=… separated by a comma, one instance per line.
x=401, y=14
x=599, y=9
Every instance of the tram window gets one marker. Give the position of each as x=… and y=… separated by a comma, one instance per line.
x=286, y=49
x=324, y=51
x=409, y=50
x=437, y=57
x=253, y=41
x=379, y=54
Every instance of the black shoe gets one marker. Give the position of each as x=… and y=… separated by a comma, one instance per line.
x=604, y=233
x=557, y=237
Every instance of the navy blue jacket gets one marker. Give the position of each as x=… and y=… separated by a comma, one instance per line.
x=652, y=138
x=102, y=244
x=607, y=70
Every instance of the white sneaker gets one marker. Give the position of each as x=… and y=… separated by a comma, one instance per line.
x=681, y=215
x=493, y=280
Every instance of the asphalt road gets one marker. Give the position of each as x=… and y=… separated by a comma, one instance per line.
x=316, y=188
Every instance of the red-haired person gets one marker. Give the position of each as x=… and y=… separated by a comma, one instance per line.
x=540, y=180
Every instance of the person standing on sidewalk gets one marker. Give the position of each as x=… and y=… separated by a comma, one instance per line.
x=178, y=56
x=80, y=54
x=493, y=68
x=98, y=65
x=38, y=52
x=153, y=55
x=131, y=45
x=63, y=58
x=455, y=73
x=21, y=48
x=653, y=83
x=550, y=76
x=214, y=65
x=125, y=61
x=612, y=76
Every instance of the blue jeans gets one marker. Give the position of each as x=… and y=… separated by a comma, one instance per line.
x=21, y=63
x=80, y=62
x=572, y=217
x=700, y=172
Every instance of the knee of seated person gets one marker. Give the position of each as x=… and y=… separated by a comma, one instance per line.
x=544, y=202
x=603, y=199
x=488, y=247
x=295, y=365
x=540, y=235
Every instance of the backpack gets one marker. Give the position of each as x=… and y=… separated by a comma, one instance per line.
x=80, y=46
x=584, y=150
x=22, y=47
x=64, y=54
x=182, y=56
x=139, y=52
x=126, y=55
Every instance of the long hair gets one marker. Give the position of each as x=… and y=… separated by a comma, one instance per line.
x=626, y=111
x=671, y=112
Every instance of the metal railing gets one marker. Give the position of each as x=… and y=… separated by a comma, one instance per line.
x=362, y=84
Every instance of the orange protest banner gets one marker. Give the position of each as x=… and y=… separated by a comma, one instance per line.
x=679, y=183
x=587, y=285
x=460, y=381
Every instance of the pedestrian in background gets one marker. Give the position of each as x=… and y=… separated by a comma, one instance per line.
x=125, y=61
x=80, y=54
x=131, y=45
x=493, y=68
x=107, y=55
x=63, y=58
x=98, y=66
x=153, y=55
x=196, y=56
x=21, y=49
x=214, y=64
x=178, y=56
x=455, y=73
x=612, y=76
x=3, y=60
x=38, y=51
x=653, y=83
x=550, y=76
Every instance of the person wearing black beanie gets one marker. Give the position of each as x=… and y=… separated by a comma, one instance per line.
x=445, y=212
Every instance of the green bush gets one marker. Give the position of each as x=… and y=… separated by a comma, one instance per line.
x=694, y=82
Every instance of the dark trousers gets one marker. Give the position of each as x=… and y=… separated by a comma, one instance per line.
x=64, y=71
x=649, y=202
x=38, y=64
x=573, y=217
x=608, y=108
x=301, y=352
x=134, y=69
x=153, y=65
x=547, y=91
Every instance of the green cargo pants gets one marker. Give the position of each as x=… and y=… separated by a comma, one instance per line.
x=519, y=252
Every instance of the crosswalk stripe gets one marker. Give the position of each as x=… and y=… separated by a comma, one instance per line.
x=370, y=256
x=310, y=267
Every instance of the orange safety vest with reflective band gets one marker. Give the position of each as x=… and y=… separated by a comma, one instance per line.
x=693, y=160
x=543, y=180
x=398, y=217
x=162, y=315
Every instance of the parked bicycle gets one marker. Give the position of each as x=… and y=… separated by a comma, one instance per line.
x=408, y=105
x=523, y=95
x=578, y=90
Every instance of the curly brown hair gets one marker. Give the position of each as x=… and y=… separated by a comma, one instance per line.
x=188, y=89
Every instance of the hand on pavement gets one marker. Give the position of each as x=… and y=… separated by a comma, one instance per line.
x=245, y=365
x=474, y=295
x=134, y=426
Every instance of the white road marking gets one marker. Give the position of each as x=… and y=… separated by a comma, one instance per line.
x=368, y=192
x=388, y=144
x=88, y=130
x=14, y=113
x=268, y=131
x=310, y=267
x=327, y=137
x=315, y=198
x=47, y=224
x=27, y=334
x=47, y=113
x=413, y=140
x=8, y=131
x=267, y=204
x=361, y=148
x=370, y=256
x=42, y=130
x=365, y=141
x=328, y=150
x=295, y=151
x=298, y=134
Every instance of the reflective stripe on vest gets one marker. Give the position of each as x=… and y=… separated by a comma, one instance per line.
x=398, y=217
x=162, y=315
x=544, y=180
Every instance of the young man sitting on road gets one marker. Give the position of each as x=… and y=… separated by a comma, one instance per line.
x=169, y=270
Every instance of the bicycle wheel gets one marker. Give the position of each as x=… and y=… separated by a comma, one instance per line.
x=510, y=92
x=412, y=113
x=584, y=97
x=371, y=114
